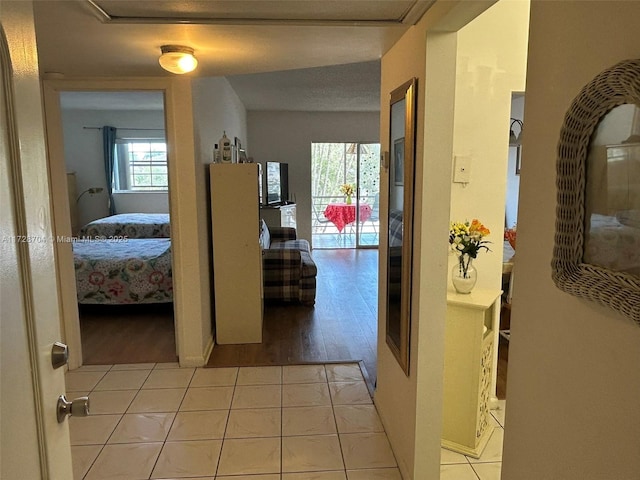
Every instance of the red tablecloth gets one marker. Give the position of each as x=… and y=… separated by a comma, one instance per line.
x=341, y=214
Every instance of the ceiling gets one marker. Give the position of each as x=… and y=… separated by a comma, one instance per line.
x=354, y=87
x=284, y=42
x=243, y=11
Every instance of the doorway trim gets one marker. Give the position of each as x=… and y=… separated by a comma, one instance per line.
x=190, y=258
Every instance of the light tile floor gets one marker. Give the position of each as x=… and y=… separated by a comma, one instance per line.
x=455, y=466
x=303, y=422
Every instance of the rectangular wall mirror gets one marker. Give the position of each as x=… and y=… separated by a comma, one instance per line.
x=400, y=220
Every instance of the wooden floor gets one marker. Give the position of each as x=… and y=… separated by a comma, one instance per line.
x=127, y=334
x=341, y=327
x=503, y=359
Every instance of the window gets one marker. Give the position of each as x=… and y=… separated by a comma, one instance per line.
x=141, y=165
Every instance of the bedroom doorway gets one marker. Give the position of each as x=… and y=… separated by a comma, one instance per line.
x=510, y=228
x=114, y=150
x=117, y=171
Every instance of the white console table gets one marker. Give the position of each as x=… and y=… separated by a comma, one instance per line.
x=279, y=215
x=470, y=342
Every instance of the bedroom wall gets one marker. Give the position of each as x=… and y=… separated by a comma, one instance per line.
x=84, y=155
x=282, y=136
x=574, y=383
x=148, y=202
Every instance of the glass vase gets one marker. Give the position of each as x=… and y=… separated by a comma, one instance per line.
x=463, y=274
x=348, y=199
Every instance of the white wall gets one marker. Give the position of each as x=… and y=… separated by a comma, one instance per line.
x=492, y=56
x=411, y=406
x=287, y=137
x=574, y=382
x=146, y=202
x=216, y=108
x=395, y=395
x=84, y=155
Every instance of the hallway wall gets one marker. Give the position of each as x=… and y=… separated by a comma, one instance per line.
x=491, y=64
x=574, y=380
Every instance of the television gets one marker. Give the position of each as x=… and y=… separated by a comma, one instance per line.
x=277, y=183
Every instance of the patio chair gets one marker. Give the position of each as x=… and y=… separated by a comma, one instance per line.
x=319, y=219
x=375, y=213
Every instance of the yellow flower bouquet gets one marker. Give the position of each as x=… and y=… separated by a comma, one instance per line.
x=466, y=240
x=348, y=189
x=467, y=237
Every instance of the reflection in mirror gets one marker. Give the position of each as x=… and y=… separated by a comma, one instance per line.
x=400, y=220
x=612, y=196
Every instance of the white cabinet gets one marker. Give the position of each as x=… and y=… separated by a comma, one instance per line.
x=468, y=361
x=288, y=215
x=279, y=216
x=237, y=255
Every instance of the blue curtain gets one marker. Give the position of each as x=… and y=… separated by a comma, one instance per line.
x=109, y=147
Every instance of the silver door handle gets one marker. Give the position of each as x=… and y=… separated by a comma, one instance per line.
x=59, y=355
x=78, y=407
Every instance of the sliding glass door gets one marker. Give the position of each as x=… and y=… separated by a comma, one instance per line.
x=340, y=220
x=368, y=181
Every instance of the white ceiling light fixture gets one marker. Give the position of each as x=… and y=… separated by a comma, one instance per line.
x=177, y=59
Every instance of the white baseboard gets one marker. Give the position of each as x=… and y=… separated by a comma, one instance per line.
x=198, y=360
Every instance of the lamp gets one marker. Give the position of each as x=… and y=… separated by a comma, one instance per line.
x=177, y=59
x=515, y=140
x=90, y=191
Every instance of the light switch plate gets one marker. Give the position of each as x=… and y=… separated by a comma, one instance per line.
x=461, y=169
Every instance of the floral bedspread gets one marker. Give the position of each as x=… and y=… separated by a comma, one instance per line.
x=130, y=225
x=613, y=244
x=123, y=271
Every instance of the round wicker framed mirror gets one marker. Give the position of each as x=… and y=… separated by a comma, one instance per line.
x=597, y=242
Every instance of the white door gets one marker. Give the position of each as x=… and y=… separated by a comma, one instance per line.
x=33, y=444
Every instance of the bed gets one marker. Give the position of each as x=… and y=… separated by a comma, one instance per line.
x=123, y=271
x=613, y=242
x=129, y=225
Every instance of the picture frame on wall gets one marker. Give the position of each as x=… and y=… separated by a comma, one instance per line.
x=398, y=161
